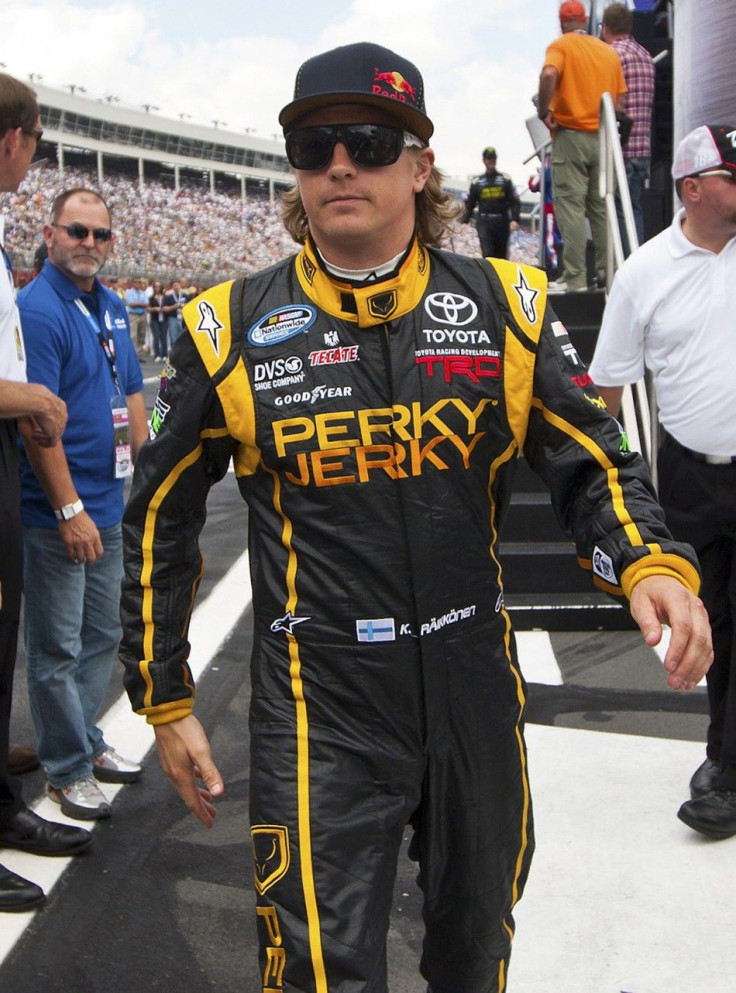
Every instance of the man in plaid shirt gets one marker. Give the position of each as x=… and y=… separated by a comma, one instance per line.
x=638, y=68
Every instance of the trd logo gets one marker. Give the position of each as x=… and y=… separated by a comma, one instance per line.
x=582, y=381
x=475, y=367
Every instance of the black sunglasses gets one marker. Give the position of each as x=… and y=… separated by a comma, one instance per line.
x=367, y=144
x=36, y=133
x=79, y=232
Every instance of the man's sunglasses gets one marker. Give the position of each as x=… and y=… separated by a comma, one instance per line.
x=367, y=144
x=36, y=133
x=79, y=232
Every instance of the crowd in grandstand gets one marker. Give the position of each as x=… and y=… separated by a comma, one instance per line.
x=192, y=233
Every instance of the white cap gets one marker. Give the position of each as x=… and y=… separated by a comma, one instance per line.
x=707, y=147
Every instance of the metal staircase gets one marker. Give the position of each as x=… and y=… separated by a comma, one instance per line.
x=544, y=587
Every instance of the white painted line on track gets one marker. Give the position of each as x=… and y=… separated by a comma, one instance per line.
x=537, y=658
x=212, y=622
x=621, y=894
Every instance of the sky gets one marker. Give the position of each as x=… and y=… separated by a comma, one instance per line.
x=234, y=61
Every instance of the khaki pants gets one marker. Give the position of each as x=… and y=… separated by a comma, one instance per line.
x=576, y=197
x=138, y=329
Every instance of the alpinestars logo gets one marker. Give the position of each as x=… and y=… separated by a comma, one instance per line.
x=527, y=297
x=209, y=324
x=287, y=623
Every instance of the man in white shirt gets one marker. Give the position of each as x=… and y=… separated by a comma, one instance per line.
x=671, y=311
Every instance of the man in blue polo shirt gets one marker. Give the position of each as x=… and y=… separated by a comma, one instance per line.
x=78, y=345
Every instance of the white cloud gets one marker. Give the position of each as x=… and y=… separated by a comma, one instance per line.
x=480, y=62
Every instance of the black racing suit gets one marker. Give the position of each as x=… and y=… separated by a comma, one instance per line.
x=498, y=204
x=374, y=433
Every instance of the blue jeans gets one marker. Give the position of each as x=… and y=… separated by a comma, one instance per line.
x=159, y=330
x=72, y=630
x=637, y=172
x=175, y=329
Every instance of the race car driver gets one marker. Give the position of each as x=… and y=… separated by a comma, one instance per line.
x=374, y=394
x=499, y=208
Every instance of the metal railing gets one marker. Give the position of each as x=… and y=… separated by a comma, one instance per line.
x=638, y=405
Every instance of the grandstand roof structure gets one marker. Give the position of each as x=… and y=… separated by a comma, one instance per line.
x=104, y=136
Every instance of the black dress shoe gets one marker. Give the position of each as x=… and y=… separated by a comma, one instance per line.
x=30, y=833
x=713, y=814
x=18, y=894
x=705, y=778
x=21, y=759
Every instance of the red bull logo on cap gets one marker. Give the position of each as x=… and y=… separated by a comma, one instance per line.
x=402, y=88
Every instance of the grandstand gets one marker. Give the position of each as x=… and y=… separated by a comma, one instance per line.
x=101, y=136
x=191, y=202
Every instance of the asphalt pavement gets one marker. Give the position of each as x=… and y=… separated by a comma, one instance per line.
x=622, y=897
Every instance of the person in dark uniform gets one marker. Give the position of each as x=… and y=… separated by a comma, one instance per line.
x=376, y=464
x=498, y=208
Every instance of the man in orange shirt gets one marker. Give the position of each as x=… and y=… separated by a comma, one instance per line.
x=578, y=69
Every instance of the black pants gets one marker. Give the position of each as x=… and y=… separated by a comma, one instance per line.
x=334, y=785
x=699, y=501
x=10, y=592
x=493, y=233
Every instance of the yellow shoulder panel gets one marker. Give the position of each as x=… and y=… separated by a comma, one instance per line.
x=526, y=291
x=207, y=318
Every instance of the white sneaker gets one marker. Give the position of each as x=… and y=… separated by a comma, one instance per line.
x=560, y=286
x=82, y=799
x=109, y=767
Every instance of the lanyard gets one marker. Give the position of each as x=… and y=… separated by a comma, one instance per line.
x=106, y=341
x=9, y=268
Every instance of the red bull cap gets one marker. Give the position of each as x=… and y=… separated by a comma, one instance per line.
x=361, y=73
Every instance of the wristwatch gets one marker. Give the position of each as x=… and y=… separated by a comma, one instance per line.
x=69, y=510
